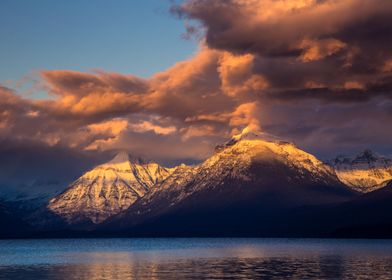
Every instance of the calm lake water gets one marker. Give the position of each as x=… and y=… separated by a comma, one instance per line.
x=195, y=259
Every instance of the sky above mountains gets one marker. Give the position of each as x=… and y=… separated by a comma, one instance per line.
x=170, y=80
x=138, y=37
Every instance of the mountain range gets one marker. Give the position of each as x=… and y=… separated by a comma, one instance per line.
x=252, y=185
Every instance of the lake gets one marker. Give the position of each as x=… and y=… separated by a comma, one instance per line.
x=194, y=258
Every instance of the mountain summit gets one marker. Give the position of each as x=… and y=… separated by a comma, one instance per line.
x=107, y=189
x=121, y=158
x=248, y=134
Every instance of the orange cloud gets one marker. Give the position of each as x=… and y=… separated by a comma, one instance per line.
x=387, y=67
x=145, y=126
x=99, y=135
x=197, y=131
x=113, y=127
x=316, y=50
x=92, y=94
x=245, y=115
x=308, y=29
x=237, y=75
x=353, y=85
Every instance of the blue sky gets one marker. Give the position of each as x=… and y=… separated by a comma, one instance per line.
x=128, y=36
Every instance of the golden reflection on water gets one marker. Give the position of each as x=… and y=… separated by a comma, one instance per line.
x=207, y=268
x=194, y=259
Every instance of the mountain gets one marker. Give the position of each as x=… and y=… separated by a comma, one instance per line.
x=369, y=215
x=365, y=216
x=29, y=197
x=248, y=182
x=10, y=224
x=107, y=190
x=365, y=172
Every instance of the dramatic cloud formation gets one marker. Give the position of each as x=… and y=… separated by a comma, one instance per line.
x=318, y=73
x=338, y=46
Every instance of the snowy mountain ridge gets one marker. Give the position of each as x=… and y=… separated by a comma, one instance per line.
x=364, y=172
x=250, y=162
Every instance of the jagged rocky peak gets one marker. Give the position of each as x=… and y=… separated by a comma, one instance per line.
x=108, y=189
x=365, y=172
x=367, y=156
x=371, y=158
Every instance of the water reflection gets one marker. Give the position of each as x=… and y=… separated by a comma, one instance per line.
x=321, y=268
x=196, y=259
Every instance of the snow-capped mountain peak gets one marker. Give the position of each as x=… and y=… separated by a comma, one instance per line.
x=249, y=134
x=107, y=189
x=120, y=158
x=251, y=146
